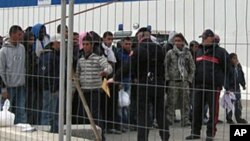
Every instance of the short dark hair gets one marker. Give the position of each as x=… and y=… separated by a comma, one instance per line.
x=231, y=55
x=180, y=35
x=192, y=43
x=107, y=33
x=126, y=39
x=14, y=29
x=58, y=30
x=88, y=38
x=28, y=29
x=75, y=33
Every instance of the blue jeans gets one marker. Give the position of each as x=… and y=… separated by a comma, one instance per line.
x=17, y=96
x=50, y=101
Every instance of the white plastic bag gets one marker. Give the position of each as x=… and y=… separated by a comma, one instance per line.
x=6, y=117
x=124, y=100
x=227, y=101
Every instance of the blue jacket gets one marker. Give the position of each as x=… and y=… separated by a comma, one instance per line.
x=48, y=69
x=122, y=59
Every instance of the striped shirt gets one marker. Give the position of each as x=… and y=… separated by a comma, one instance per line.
x=88, y=71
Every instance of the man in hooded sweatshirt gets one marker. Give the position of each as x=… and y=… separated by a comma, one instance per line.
x=41, y=38
x=12, y=71
x=48, y=69
x=179, y=73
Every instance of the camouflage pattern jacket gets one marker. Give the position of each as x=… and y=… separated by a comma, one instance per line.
x=179, y=65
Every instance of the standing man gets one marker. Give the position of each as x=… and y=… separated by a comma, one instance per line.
x=212, y=66
x=179, y=73
x=147, y=65
x=109, y=51
x=41, y=38
x=48, y=69
x=12, y=71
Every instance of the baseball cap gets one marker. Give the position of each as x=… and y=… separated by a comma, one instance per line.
x=207, y=33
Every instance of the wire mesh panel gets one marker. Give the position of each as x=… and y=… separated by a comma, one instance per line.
x=141, y=69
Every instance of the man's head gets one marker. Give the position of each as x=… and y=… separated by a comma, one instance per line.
x=207, y=37
x=108, y=38
x=143, y=33
x=58, y=30
x=16, y=34
x=127, y=44
x=42, y=33
x=194, y=45
x=179, y=40
x=233, y=58
x=28, y=39
x=55, y=42
x=216, y=39
x=87, y=43
x=75, y=39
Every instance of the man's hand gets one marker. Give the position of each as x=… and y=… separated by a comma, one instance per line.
x=103, y=73
x=244, y=88
x=111, y=80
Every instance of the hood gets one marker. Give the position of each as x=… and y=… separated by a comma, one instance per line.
x=36, y=29
x=9, y=45
x=171, y=36
x=81, y=36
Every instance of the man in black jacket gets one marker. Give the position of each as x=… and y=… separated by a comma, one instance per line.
x=212, y=65
x=147, y=66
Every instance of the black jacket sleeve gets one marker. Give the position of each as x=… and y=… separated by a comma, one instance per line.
x=2, y=84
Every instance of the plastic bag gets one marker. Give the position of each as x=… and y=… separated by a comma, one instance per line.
x=227, y=101
x=6, y=117
x=124, y=100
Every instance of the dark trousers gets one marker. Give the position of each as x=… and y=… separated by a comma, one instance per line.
x=94, y=99
x=111, y=108
x=133, y=113
x=237, y=108
x=209, y=95
x=151, y=95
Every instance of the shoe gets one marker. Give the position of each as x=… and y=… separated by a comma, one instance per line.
x=241, y=120
x=205, y=121
x=220, y=121
x=132, y=128
x=230, y=121
x=193, y=137
x=186, y=124
x=114, y=131
x=124, y=130
x=177, y=120
x=209, y=138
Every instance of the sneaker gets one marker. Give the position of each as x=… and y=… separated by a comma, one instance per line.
x=230, y=121
x=193, y=137
x=177, y=120
x=208, y=138
x=241, y=120
x=220, y=121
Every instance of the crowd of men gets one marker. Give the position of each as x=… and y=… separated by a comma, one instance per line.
x=158, y=78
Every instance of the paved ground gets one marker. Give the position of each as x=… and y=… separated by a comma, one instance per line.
x=179, y=133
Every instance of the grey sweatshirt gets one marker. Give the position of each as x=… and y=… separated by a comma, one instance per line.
x=12, y=64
